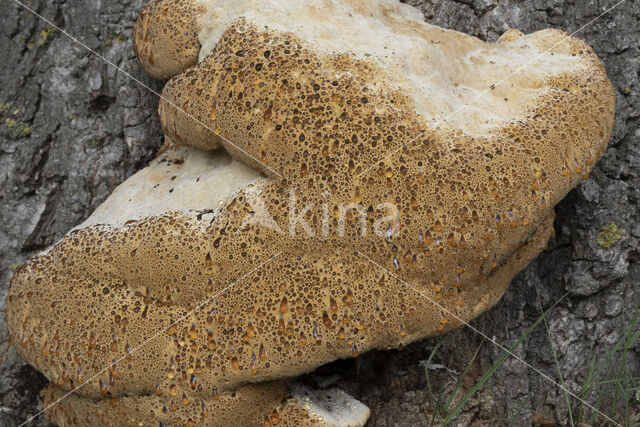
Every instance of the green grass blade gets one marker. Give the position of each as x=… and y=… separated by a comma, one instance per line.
x=438, y=400
x=555, y=360
x=588, y=383
x=454, y=412
x=628, y=338
x=459, y=382
x=631, y=338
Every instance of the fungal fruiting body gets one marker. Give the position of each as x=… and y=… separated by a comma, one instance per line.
x=385, y=180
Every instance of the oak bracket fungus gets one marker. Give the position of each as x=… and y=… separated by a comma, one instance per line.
x=439, y=156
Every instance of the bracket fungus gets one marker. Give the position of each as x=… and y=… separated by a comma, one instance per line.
x=385, y=180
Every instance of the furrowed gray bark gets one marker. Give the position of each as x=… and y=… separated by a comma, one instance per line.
x=72, y=128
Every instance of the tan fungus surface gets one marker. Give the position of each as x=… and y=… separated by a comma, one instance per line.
x=166, y=37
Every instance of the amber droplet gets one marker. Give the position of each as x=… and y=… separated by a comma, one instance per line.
x=281, y=327
x=252, y=366
x=333, y=305
x=251, y=331
x=316, y=335
x=347, y=299
x=103, y=388
x=356, y=196
x=268, y=112
x=284, y=306
x=193, y=333
x=325, y=320
x=213, y=113
x=428, y=238
x=354, y=350
x=275, y=417
x=171, y=374
x=414, y=204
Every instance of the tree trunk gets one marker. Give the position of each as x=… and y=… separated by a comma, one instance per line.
x=72, y=127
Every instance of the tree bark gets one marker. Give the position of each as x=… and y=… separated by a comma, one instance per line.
x=72, y=127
